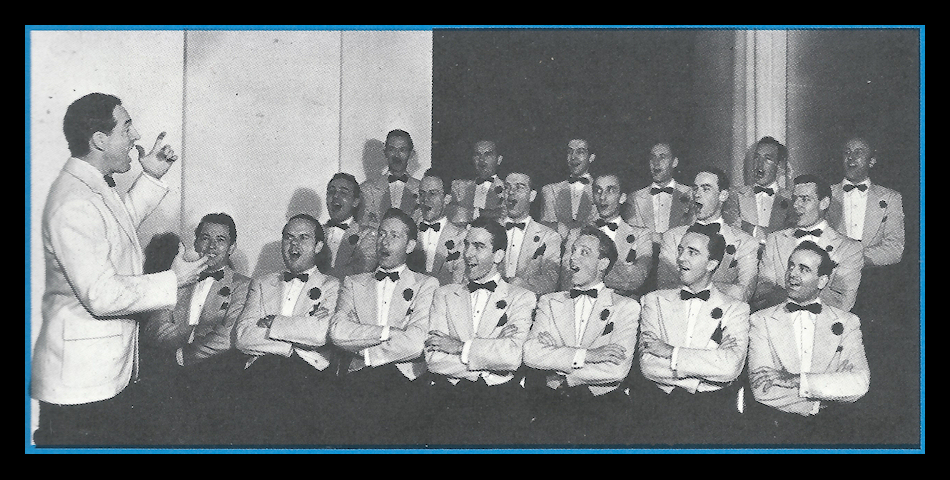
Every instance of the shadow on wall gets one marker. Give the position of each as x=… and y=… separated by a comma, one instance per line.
x=304, y=200
x=375, y=165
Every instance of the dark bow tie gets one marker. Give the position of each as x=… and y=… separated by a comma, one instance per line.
x=766, y=190
x=473, y=286
x=709, y=229
x=340, y=225
x=404, y=178
x=423, y=226
x=811, y=307
x=574, y=180
x=216, y=275
x=799, y=233
x=479, y=181
x=687, y=295
x=656, y=191
x=601, y=223
x=303, y=277
x=849, y=186
x=380, y=275
x=109, y=181
x=519, y=225
x=592, y=293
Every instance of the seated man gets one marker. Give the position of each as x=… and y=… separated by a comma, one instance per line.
x=477, y=331
x=693, y=347
x=584, y=341
x=532, y=256
x=382, y=319
x=396, y=189
x=288, y=394
x=736, y=273
x=351, y=248
x=568, y=204
x=440, y=240
x=634, y=245
x=197, y=335
x=811, y=200
x=764, y=207
x=483, y=195
x=804, y=356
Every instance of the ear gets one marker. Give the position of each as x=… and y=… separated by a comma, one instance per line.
x=500, y=158
x=712, y=265
x=822, y=282
x=231, y=248
x=871, y=162
x=676, y=162
x=447, y=200
x=723, y=196
x=602, y=264
x=534, y=193
x=498, y=256
x=824, y=203
x=317, y=247
x=98, y=141
x=623, y=198
x=410, y=246
x=591, y=158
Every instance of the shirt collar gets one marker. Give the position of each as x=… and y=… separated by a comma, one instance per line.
x=527, y=220
x=773, y=185
x=717, y=220
x=493, y=278
x=707, y=287
x=671, y=184
x=398, y=269
x=822, y=224
x=597, y=286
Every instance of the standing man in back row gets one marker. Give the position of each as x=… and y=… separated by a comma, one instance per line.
x=396, y=189
x=569, y=203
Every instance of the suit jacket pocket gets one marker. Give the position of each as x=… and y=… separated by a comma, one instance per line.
x=77, y=327
x=93, y=361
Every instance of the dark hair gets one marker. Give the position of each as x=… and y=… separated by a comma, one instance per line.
x=721, y=177
x=822, y=188
x=348, y=177
x=434, y=173
x=400, y=133
x=522, y=171
x=86, y=116
x=782, y=150
x=610, y=172
x=606, y=249
x=827, y=265
x=717, y=243
x=220, y=219
x=160, y=252
x=411, y=229
x=318, y=233
x=499, y=237
x=872, y=153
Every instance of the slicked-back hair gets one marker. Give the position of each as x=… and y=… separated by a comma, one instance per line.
x=717, y=243
x=606, y=249
x=400, y=133
x=220, y=219
x=318, y=233
x=782, y=150
x=350, y=178
x=411, y=230
x=86, y=116
x=721, y=177
x=827, y=265
x=434, y=173
x=609, y=172
x=499, y=237
x=821, y=187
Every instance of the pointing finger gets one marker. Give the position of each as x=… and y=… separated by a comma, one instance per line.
x=140, y=150
x=158, y=142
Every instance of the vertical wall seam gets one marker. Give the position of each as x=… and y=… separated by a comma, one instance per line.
x=339, y=142
x=184, y=124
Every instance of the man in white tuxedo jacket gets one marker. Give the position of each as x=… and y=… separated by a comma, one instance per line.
x=439, y=247
x=472, y=198
x=764, y=207
x=568, y=204
x=693, y=347
x=382, y=320
x=395, y=189
x=477, y=332
x=583, y=340
x=533, y=253
x=289, y=392
x=806, y=355
x=87, y=350
x=351, y=247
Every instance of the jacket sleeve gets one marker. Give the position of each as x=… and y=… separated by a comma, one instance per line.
x=543, y=357
x=406, y=343
x=305, y=329
x=440, y=362
x=627, y=321
x=761, y=354
x=719, y=364
x=842, y=289
x=220, y=338
x=505, y=353
x=747, y=259
x=891, y=248
x=252, y=339
x=843, y=386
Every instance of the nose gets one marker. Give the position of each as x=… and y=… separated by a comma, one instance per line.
x=134, y=134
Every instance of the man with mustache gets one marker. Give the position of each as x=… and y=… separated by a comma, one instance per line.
x=351, y=247
x=395, y=188
x=568, y=204
x=764, y=207
x=288, y=391
x=483, y=194
x=440, y=240
x=532, y=256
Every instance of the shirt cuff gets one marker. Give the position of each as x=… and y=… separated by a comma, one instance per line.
x=385, y=335
x=180, y=357
x=674, y=357
x=579, y=357
x=156, y=181
x=802, y=385
x=466, y=348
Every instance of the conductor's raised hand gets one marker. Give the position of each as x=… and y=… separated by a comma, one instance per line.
x=187, y=270
x=157, y=162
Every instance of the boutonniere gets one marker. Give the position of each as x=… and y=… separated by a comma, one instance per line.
x=224, y=306
x=501, y=304
x=837, y=328
x=829, y=248
x=224, y=292
x=716, y=313
x=883, y=204
x=353, y=239
x=540, y=251
x=537, y=238
x=717, y=334
x=453, y=256
x=609, y=328
x=604, y=314
x=631, y=256
x=503, y=320
x=734, y=263
x=631, y=239
x=407, y=294
x=314, y=293
x=498, y=189
x=731, y=249
x=840, y=348
x=784, y=204
x=450, y=245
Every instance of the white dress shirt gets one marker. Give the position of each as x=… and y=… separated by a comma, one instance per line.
x=335, y=237
x=577, y=191
x=292, y=291
x=479, y=300
x=395, y=192
x=430, y=242
x=515, y=240
x=384, y=297
x=854, y=205
x=481, y=194
x=612, y=233
x=661, y=207
x=583, y=305
x=763, y=208
x=803, y=324
x=693, y=307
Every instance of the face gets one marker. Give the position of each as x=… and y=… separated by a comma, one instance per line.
x=607, y=196
x=214, y=242
x=299, y=245
x=393, y=244
x=431, y=198
x=707, y=196
x=518, y=195
x=692, y=260
x=341, y=199
x=578, y=157
x=118, y=144
x=766, y=164
x=480, y=260
x=806, y=204
x=857, y=160
x=397, y=152
x=801, y=278
x=585, y=262
x=485, y=159
x=662, y=163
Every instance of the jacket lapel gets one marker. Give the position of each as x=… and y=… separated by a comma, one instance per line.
x=705, y=324
x=493, y=199
x=679, y=209
x=346, y=248
x=364, y=290
x=584, y=210
x=562, y=308
x=492, y=314
x=112, y=200
x=779, y=213
x=873, y=213
x=528, y=245
x=782, y=336
x=460, y=313
x=835, y=215
x=645, y=210
x=399, y=304
x=563, y=202
x=825, y=345
x=595, y=324
x=750, y=211
x=673, y=319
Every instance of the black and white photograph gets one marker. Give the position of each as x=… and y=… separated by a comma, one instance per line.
x=453, y=239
